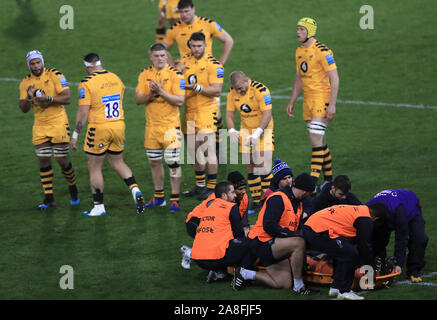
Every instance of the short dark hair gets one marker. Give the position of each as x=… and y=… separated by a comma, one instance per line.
x=378, y=210
x=197, y=36
x=157, y=47
x=222, y=187
x=92, y=57
x=343, y=183
x=185, y=4
x=237, y=179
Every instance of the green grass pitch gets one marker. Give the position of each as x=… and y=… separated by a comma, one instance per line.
x=384, y=136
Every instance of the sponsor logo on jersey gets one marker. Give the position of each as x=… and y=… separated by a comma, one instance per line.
x=81, y=93
x=64, y=82
x=330, y=59
x=219, y=72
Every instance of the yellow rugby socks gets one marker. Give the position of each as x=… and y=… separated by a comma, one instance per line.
x=317, y=159
x=327, y=166
x=46, y=175
x=255, y=188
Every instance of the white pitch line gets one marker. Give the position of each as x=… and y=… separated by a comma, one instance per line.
x=279, y=97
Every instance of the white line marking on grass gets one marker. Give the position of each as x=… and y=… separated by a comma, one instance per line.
x=408, y=282
x=274, y=96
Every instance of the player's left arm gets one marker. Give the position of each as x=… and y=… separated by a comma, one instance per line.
x=228, y=43
x=81, y=117
x=265, y=102
x=213, y=90
x=335, y=83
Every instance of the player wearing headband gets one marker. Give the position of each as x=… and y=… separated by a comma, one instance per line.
x=46, y=91
x=317, y=77
x=101, y=102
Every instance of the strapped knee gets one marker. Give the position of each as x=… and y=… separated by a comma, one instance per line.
x=316, y=127
x=44, y=152
x=154, y=154
x=61, y=151
x=172, y=159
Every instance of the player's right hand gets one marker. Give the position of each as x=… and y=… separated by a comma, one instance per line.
x=73, y=144
x=31, y=90
x=289, y=110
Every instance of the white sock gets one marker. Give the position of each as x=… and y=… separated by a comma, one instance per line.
x=187, y=252
x=298, y=284
x=248, y=274
x=134, y=190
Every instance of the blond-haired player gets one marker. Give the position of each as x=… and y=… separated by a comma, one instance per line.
x=317, y=77
x=252, y=99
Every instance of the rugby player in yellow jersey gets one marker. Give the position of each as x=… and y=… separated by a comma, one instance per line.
x=190, y=23
x=167, y=11
x=46, y=91
x=181, y=33
x=203, y=83
x=161, y=88
x=252, y=99
x=101, y=102
x=317, y=76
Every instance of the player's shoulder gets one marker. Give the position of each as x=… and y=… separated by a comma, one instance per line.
x=95, y=76
x=175, y=25
x=27, y=78
x=172, y=69
x=258, y=86
x=53, y=71
x=146, y=70
x=213, y=60
x=205, y=20
x=321, y=47
x=188, y=58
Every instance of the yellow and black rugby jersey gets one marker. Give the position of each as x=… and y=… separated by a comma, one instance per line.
x=159, y=111
x=181, y=32
x=205, y=71
x=313, y=64
x=251, y=105
x=103, y=91
x=52, y=82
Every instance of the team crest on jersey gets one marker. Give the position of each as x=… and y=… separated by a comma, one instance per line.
x=245, y=108
x=304, y=66
x=192, y=79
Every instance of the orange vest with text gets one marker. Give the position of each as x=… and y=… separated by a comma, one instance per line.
x=197, y=212
x=214, y=231
x=289, y=219
x=337, y=220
